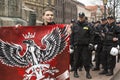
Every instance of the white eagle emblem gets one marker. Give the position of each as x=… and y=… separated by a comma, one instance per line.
x=35, y=56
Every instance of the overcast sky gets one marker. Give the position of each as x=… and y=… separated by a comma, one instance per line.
x=91, y=2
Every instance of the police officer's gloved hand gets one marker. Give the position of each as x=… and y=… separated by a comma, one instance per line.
x=71, y=46
x=71, y=49
x=95, y=47
x=91, y=46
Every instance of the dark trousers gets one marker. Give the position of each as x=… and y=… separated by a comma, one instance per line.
x=97, y=55
x=72, y=59
x=81, y=57
x=108, y=61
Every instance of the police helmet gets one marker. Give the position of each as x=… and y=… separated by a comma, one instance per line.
x=114, y=51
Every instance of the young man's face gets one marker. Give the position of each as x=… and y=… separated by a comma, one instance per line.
x=48, y=16
x=110, y=21
x=82, y=19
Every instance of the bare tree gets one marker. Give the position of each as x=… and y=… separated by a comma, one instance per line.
x=113, y=6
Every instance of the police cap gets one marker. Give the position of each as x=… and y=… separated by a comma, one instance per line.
x=81, y=14
x=110, y=17
x=103, y=19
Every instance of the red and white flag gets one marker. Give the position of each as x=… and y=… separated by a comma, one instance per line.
x=34, y=53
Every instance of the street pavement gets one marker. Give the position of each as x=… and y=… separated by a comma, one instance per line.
x=116, y=76
x=95, y=74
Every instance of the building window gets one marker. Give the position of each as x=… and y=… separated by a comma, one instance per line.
x=13, y=6
x=49, y=2
x=2, y=7
x=53, y=2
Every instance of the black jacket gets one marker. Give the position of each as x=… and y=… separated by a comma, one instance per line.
x=81, y=33
x=98, y=38
x=111, y=31
x=51, y=23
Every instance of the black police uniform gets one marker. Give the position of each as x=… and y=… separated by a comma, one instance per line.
x=109, y=61
x=72, y=47
x=81, y=37
x=98, y=42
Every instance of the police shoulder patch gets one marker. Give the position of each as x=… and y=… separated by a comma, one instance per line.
x=86, y=28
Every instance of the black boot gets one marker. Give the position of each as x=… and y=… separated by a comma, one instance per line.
x=103, y=72
x=110, y=73
x=76, y=74
x=96, y=69
x=88, y=76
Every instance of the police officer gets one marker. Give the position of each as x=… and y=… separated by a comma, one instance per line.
x=111, y=35
x=98, y=40
x=71, y=48
x=81, y=38
x=118, y=58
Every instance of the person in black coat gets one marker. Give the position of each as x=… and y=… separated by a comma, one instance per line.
x=81, y=38
x=98, y=40
x=71, y=48
x=118, y=58
x=111, y=34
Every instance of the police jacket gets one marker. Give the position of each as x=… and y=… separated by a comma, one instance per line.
x=97, y=34
x=98, y=38
x=111, y=31
x=81, y=33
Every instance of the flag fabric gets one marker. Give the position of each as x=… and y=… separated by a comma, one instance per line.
x=34, y=53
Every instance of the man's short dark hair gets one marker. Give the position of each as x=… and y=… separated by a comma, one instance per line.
x=47, y=9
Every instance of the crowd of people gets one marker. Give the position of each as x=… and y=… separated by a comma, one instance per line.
x=103, y=37
x=100, y=36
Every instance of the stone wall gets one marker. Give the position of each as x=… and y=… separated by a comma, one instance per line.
x=7, y=21
x=11, y=13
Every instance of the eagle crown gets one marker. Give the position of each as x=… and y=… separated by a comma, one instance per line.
x=29, y=35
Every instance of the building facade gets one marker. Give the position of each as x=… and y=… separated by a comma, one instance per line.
x=82, y=8
x=36, y=7
x=97, y=12
x=10, y=13
x=65, y=10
